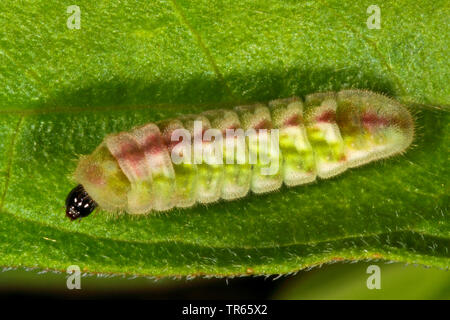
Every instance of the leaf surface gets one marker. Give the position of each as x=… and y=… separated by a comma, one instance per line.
x=131, y=63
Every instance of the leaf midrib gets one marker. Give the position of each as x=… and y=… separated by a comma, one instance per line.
x=284, y=245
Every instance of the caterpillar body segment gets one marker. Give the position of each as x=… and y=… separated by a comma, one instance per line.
x=257, y=120
x=145, y=170
x=379, y=128
x=298, y=164
x=324, y=135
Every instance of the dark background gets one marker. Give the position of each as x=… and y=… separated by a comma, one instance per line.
x=332, y=281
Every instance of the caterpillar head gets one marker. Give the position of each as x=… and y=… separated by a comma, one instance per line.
x=79, y=204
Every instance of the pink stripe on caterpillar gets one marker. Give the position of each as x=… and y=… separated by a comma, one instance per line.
x=155, y=151
x=293, y=121
x=125, y=148
x=328, y=116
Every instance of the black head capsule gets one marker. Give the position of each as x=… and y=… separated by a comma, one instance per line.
x=79, y=204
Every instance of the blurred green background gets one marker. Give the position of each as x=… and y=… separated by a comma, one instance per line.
x=332, y=281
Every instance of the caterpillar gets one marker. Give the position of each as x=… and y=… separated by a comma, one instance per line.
x=180, y=162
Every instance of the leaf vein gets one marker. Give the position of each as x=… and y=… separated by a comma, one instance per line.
x=202, y=45
x=375, y=48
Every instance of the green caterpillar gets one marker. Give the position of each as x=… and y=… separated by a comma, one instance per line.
x=176, y=163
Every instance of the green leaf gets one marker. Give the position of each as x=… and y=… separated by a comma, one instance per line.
x=63, y=90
